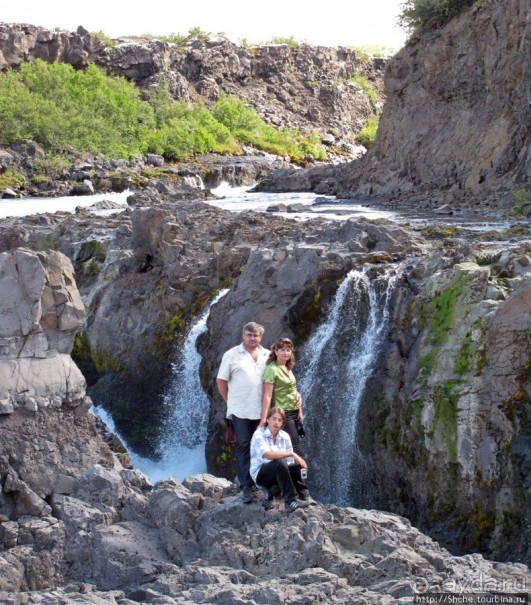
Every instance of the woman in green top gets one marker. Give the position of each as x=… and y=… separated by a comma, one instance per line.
x=280, y=389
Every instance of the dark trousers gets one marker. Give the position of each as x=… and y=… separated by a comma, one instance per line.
x=243, y=430
x=292, y=429
x=286, y=476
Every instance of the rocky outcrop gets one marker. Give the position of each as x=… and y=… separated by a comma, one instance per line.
x=455, y=126
x=456, y=117
x=306, y=87
x=445, y=412
x=20, y=43
x=145, y=273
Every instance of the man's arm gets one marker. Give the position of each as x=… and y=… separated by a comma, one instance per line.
x=223, y=388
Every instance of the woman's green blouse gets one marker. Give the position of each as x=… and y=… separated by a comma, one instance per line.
x=284, y=386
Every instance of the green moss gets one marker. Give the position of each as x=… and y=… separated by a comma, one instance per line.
x=439, y=232
x=465, y=357
x=445, y=420
x=48, y=241
x=480, y=526
x=95, y=249
x=439, y=316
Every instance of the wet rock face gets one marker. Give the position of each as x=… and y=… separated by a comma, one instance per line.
x=306, y=87
x=449, y=428
x=456, y=115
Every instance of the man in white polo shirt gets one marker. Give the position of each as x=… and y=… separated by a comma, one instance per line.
x=240, y=382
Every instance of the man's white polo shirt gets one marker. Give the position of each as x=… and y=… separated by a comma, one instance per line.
x=246, y=381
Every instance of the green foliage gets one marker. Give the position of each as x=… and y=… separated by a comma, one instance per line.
x=199, y=33
x=11, y=178
x=67, y=110
x=419, y=16
x=248, y=128
x=291, y=42
x=101, y=35
x=173, y=38
x=367, y=135
x=367, y=51
x=522, y=201
x=366, y=85
x=52, y=165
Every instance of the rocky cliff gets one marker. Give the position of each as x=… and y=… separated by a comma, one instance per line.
x=457, y=116
x=456, y=122
x=308, y=88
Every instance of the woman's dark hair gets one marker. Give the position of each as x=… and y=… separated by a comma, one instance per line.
x=275, y=410
x=280, y=343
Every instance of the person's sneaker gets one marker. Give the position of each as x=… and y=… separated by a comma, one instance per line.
x=294, y=505
x=269, y=501
x=248, y=495
x=304, y=494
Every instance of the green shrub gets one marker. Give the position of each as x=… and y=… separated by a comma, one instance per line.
x=101, y=35
x=67, y=110
x=291, y=42
x=366, y=85
x=419, y=16
x=522, y=201
x=367, y=51
x=367, y=135
x=248, y=128
x=11, y=178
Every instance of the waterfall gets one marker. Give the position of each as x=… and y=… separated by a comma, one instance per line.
x=184, y=434
x=337, y=361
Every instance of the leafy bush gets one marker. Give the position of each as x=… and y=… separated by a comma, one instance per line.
x=366, y=51
x=291, y=42
x=418, y=16
x=249, y=128
x=67, y=110
x=366, y=85
x=367, y=135
x=101, y=35
x=522, y=202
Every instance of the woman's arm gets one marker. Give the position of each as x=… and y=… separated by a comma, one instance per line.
x=274, y=455
x=266, y=402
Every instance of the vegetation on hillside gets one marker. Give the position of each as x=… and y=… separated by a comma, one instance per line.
x=419, y=16
x=367, y=135
x=68, y=111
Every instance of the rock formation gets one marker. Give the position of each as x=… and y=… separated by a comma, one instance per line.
x=455, y=125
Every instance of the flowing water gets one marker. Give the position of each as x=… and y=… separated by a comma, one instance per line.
x=336, y=364
x=184, y=436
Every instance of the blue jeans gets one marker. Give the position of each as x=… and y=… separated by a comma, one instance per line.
x=243, y=430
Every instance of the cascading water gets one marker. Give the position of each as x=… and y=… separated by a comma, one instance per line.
x=183, y=443
x=336, y=363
